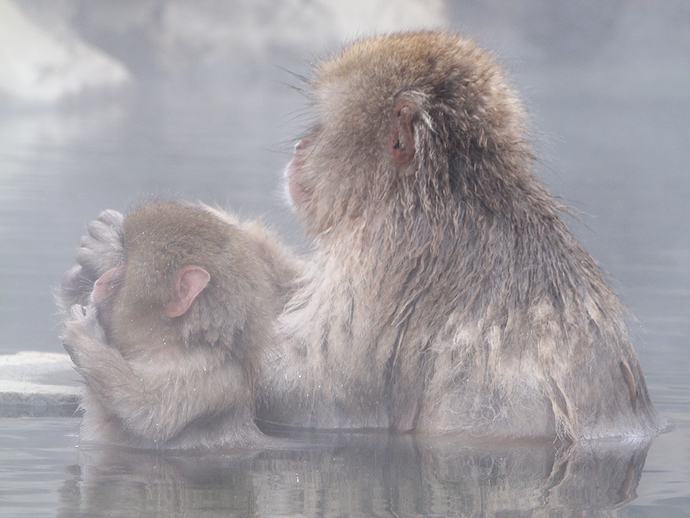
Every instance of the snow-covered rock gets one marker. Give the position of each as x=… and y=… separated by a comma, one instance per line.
x=38, y=383
x=36, y=65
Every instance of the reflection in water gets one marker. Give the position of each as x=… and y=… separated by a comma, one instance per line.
x=608, y=90
x=362, y=475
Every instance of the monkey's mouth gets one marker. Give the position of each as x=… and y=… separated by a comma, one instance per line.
x=297, y=185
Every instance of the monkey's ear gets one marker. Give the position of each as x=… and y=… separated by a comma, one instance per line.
x=191, y=280
x=402, y=145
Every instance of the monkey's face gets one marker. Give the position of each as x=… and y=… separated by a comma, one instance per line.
x=317, y=178
x=130, y=300
x=105, y=294
x=362, y=152
x=338, y=168
x=296, y=174
x=405, y=122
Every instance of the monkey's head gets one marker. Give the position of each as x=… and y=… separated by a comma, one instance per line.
x=414, y=120
x=187, y=279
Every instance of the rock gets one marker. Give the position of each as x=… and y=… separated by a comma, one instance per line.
x=34, y=383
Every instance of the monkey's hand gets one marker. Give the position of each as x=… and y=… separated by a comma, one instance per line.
x=112, y=390
x=153, y=401
x=83, y=337
x=100, y=249
x=111, y=386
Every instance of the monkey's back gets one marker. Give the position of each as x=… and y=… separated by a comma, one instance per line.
x=445, y=293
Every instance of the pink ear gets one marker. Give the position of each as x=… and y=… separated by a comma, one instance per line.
x=402, y=145
x=191, y=281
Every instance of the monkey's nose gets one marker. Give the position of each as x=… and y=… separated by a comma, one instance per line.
x=302, y=144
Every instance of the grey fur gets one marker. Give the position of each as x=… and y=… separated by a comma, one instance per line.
x=452, y=298
x=444, y=292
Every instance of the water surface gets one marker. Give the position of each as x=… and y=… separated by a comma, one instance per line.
x=607, y=86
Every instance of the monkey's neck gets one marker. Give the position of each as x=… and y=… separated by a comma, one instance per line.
x=450, y=256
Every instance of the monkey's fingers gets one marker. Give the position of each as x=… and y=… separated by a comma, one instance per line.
x=78, y=313
x=75, y=288
x=83, y=323
x=107, y=228
x=101, y=248
x=111, y=218
x=74, y=334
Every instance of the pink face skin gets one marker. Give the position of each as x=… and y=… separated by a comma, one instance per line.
x=296, y=183
x=106, y=285
x=295, y=192
x=104, y=291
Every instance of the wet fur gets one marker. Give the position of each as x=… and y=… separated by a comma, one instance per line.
x=444, y=292
x=181, y=383
x=448, y=296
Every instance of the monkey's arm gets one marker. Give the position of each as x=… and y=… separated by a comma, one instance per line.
x=154, y=400
x=99, y=250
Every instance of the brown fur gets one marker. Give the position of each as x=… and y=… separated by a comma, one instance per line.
x=445, y=294
x=183, y=382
